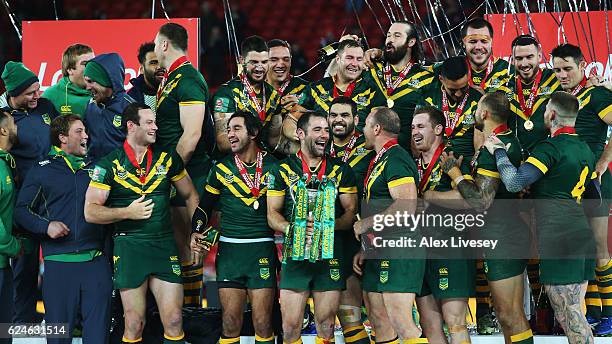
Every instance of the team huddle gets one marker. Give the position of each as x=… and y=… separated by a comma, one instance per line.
x=303, y=159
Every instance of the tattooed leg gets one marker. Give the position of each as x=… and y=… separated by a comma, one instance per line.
x=566, y=302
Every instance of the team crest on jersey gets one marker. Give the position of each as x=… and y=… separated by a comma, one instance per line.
x=117, y=121
x=362, y=100
x=494, y=83
x=546, y=90
x=161, y=170
x=384, y=276
x=264, y=273
x=361, y=151
x=334, y=274
x=443, y=283
x=293, y=177
x=121, y=173
x=176, y=269
x=46, y=119
x=469, y=119
x=229, y=178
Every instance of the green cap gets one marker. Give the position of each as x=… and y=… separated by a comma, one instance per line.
x=97, y=73
x=17, y=78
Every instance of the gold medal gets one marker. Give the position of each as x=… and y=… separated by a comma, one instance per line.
x=256, y=205
x=528, y=125
x=390, y=103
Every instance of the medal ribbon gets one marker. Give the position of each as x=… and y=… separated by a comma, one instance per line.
x=347, y=150
x=402, y=75
x=348, y=92
x=281, y=89
x=261, y=109
x=254, y=184
x=527, y=107
x=306, y=168
x=450, y=127
x=425, y=175
x=564, y=130
x=174, y=66
x=484, y=78
x=386, y=147
x=132, y=157
x=579, y=87
x=500, y=129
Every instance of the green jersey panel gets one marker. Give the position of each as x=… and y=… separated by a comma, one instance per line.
x=239, y=218
x=529, y=138
x=185, y=86
x=484, y=162
x=364, y=94
x=462, y=140
x=116, y=174
x=358, y=159
x=395, y=168
x=405, y=96
x=233, y=96
x=285, y=179
x=438, y=180
x=595, y=103
x=568, y=165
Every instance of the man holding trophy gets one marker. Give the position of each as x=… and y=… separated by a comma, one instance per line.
x=309, y=198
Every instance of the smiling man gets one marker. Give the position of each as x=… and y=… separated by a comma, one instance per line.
x=104, y=77
x=144, y=87
x=250, y=92
x=347, y=82
x=70, y=94
x=77, y=275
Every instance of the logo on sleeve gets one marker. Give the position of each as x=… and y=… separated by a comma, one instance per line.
x=97, y=174
x=222, y=105
x=46, y=119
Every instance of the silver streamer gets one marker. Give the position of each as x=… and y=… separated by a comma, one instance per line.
x=11, y=16
x=163, y=6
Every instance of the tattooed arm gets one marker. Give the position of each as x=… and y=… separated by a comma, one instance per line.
x=221, y=119
x=452, y=199
x=566, y=301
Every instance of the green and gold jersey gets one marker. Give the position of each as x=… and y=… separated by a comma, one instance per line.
x=484, y=163
x=297, y=86
x=285, y=177
x=437, y=179
x=496, y=80
x=239, y=218
x=461, y=141
x=595, y=103
x=233, y=96
x=185, y=86
x=396, y=167
x=404, y=97
x=116, y=173
x=568, y=165
x=536, y=132
x=364, y=94
x=358, y=158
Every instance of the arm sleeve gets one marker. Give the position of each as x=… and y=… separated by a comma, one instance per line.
x=209, y=199
x=278, y=180
x=192, y=91
x=223, y=101
x=516, y=179
x=177, y=169
x=25, y=215
x=102, y=175
x=347, y=182
x=401, y=170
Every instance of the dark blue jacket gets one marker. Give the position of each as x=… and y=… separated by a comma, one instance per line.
x=139, y=89
x=103, y=121
x=33, y=135
x=52, y=192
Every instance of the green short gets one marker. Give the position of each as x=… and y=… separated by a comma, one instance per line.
x=395, y=275
x=246, y=265
x=136, y=260
x=499, y=269
x=323, y=275
x=450, y=278
x=350, y=247
x=566, y=271
x=606, y=196
x=198, y=172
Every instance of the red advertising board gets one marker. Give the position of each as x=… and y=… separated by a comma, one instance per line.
x=584, y=29
x=45, y=41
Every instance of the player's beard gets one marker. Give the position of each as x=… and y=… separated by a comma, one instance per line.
x=252, y=80
x=313, y=148
x=397, y=54
x=151, y=78
x=348, y=130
